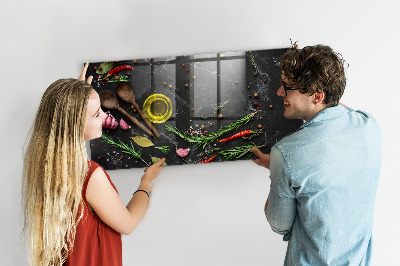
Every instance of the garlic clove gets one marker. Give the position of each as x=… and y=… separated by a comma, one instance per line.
x=114, y=123
x=108, y=121
x=182, y=152
x=123, y=124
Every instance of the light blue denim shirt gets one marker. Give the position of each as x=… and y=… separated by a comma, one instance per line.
x=324, y=178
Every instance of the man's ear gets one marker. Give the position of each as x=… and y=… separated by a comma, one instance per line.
x=318, y=97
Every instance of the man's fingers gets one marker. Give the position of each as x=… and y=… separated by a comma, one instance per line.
x=257, y=161
x=257, y=152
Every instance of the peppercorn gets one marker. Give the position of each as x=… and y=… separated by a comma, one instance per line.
x=95, y=67
x=186, y=85
x=134, y=61
x=255, y=103
x=193, y=132
x=211, y=124
x=248, y=87
x=255, y=95
x=202, y=126
x=116, y=77
x=100, y=68
x=270, y=107
x=170, y=86
x=220, y=116
x=164, y=83
x=260, y=126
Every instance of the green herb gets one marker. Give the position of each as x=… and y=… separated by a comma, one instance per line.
x=237, y=152
x=253, y=63
x=163, y=149
x=142, y=141
x=203, y=140
x=120, y=79
x=105, y=67
x=125, y=148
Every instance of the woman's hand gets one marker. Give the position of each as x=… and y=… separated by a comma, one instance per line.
x=83, y=74
x=150, y=173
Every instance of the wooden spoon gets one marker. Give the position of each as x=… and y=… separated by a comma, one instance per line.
x=125, y=92
x=109, y=100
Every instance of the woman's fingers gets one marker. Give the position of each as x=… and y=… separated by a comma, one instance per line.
x=83, y=74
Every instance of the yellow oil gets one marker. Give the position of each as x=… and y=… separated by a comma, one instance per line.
x=157, y=108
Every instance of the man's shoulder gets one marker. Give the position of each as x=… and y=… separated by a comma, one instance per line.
x=324, y=128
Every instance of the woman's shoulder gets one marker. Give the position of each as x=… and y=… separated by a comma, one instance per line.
x=93, y=164
x=98, y=171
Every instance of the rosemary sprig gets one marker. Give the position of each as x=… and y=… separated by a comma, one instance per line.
x=203, y=140
x=125, y=148
x=237, y=152
x=163, y=149
x=121, y=79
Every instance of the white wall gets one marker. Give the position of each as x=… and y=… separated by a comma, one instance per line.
x=213, y=214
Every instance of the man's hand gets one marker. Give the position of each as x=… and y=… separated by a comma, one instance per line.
x=83, y=74
x=264, y=159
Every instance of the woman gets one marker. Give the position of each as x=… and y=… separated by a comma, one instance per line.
x=73, y=213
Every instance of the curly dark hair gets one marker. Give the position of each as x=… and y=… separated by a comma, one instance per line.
x=316, y=69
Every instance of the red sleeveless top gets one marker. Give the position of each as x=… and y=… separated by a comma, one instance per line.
x=95, y=242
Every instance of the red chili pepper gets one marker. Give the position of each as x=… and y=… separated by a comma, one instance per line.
x=237, y=135
x=115, y=70
x=208, y=160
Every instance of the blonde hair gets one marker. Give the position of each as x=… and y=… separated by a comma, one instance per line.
x=55, y=167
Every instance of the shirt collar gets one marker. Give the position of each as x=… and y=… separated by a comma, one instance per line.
x=326, y=114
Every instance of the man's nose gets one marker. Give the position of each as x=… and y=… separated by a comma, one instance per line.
x=280, y=91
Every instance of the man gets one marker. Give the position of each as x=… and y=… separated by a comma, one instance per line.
x=324, y=175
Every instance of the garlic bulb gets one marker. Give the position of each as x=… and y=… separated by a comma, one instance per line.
x=110, y=122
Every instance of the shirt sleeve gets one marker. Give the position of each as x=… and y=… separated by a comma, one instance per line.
x=281, y=210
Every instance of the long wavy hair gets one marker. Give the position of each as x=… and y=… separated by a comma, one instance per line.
x=55, y=167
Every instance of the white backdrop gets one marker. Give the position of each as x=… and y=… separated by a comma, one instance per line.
x=213, y=214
